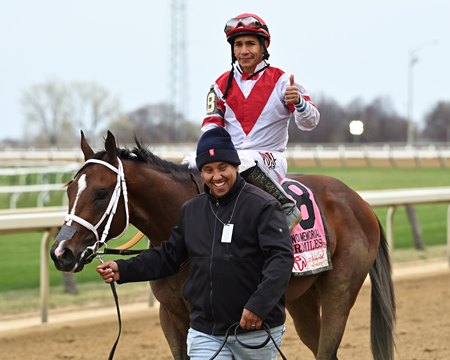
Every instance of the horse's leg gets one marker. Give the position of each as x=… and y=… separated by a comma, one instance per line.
x=338, y=291
x=175, y=336
x=335, y=310
x=305, y=313
x=173, y=312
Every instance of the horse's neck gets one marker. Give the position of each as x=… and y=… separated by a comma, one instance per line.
x=155, y=199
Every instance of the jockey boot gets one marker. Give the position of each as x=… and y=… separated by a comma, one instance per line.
x=258, y=177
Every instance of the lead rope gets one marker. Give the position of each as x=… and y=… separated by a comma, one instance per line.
x=235, y=325
x=119, y=318
x=116, y=300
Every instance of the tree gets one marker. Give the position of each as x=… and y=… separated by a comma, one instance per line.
x=92, y=106
x=437, y=123
x=47, y=107
x=155, y=123
x=332, y=126
x=56, y=111
x=381, y=123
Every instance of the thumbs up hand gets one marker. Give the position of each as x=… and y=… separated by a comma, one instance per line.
x=291, y=95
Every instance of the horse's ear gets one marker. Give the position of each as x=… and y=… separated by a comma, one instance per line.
x=111, y=148
x=86, y=148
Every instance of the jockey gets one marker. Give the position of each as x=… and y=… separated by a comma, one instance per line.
x=254, y=102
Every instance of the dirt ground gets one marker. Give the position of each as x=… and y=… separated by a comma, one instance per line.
x=423, y=330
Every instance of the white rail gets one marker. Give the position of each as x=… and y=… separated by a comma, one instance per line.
x=393, y=198
x=46, y=220
x=43, y=191
x=42, y=184
x=42, y=172
x=344, y=154
x=410, y=196
x=49, y=220
x=48, y=169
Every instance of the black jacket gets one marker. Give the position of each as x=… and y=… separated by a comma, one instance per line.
x=252, y=271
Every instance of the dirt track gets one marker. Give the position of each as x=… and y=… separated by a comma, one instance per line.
x=423, y=330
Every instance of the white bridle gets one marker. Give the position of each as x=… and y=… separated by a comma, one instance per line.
x=121, y=187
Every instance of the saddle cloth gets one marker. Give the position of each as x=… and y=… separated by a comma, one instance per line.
x=309, y=238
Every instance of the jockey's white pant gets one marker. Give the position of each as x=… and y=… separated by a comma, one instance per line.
x=273, y=163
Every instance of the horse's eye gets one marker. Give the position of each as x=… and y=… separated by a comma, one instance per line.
x=101, y=195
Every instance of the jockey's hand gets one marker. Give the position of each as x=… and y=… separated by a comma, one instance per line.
x=109, y=271
x=250, y=321
x=291, y=95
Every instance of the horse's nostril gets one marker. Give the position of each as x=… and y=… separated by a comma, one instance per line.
x=67, y=257
x=64, y=259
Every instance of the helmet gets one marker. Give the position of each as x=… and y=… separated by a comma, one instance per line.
x=246, y=24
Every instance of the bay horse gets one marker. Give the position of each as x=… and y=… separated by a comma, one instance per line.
x=148, y=192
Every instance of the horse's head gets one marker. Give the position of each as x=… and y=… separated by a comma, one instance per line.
x=98, y=208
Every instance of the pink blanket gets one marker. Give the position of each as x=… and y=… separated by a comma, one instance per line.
x=309, y=237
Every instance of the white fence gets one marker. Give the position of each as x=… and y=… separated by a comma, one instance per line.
x=342, y=154
x=41, y=178
x=42, y=171
x=45, y=220
x=43, y=191
x=370, y=155
x=394, y=198
x=49, y=220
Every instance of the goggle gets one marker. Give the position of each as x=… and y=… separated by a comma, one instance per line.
x=247, y=22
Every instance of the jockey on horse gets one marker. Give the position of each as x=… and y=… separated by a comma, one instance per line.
x=254, y=102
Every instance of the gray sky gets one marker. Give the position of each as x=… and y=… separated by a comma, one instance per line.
x=341, y=49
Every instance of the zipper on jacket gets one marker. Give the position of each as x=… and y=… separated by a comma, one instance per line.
x=210, y=270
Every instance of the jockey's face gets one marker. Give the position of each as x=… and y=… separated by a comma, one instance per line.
x=219, y=177
x=248, y=51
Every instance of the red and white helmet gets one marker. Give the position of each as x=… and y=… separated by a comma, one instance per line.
x=246, y=24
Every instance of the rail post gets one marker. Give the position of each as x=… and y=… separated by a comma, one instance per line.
x=448, y=235
x=44, y=273
x=390, y=226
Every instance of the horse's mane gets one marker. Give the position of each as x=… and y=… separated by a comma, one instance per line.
x=142, y=154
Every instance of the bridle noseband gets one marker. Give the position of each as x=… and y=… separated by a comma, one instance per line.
x=120, y=188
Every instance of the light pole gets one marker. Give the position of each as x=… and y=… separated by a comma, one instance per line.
x=411, y=128
x=412, y=60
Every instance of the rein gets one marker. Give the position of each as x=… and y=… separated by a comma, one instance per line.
x=235, y=326
x=124, y=248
